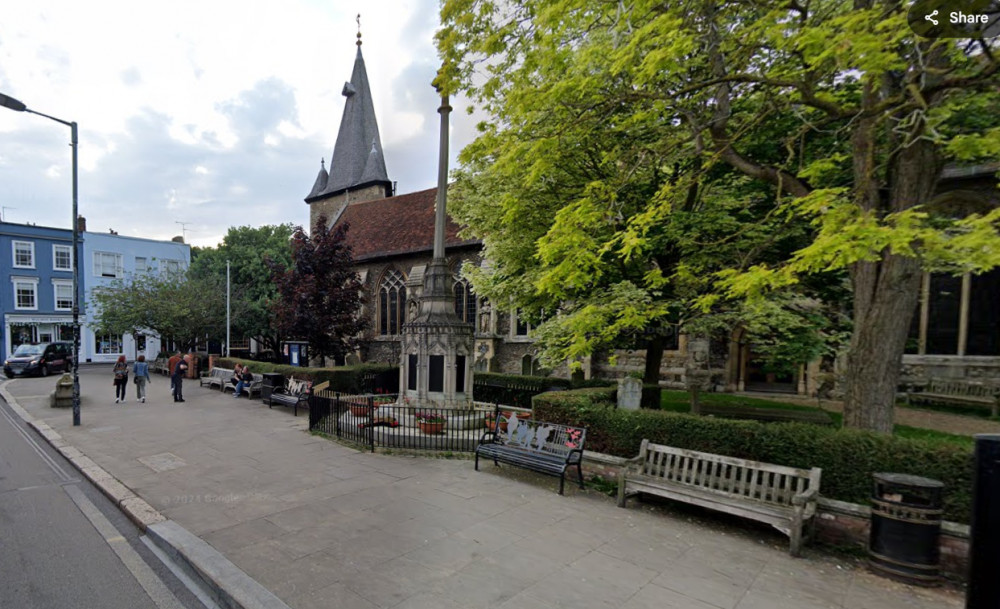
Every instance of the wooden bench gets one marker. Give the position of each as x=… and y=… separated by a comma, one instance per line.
x=962, y=393
x=295, y=393
x=548, y=448
x=161, y=365
x=219, y=377
x=784, y=497
x=767, y=415
x=250, y=388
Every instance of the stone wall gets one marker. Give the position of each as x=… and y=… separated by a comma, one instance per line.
x=953, y=367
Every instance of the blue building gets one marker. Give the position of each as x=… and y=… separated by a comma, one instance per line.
x=36, y=297
x=110, y=256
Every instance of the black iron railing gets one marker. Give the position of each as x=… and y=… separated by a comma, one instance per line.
x=379, y=420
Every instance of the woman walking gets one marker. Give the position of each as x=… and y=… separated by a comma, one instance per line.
x=121, y=379
x=141, y=371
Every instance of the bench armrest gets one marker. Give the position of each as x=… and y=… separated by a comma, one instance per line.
x=807, y=496
x=492, y=435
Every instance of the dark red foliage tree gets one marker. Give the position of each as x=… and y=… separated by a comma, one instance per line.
x=319, y=297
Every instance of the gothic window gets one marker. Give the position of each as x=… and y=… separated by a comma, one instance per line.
x=465, y=301
x=391, y=303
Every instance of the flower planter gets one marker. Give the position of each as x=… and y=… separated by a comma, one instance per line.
x=431, y=428
x=491, y=423
x=359, y=411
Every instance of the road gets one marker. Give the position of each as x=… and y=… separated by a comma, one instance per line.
x=63, y=544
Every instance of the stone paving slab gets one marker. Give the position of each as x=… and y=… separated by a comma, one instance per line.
x=324, y=525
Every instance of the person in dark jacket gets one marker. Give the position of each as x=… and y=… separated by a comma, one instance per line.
x=177, y=379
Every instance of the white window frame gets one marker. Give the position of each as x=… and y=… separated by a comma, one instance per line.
x=112, y=340
x=98, y=266
x=141, y=265
x=25, y=281
x=170, y=266
x=31, y=247
x=56, y=249
x=61, y=283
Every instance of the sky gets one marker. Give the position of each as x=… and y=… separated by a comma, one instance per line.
x=195, y=116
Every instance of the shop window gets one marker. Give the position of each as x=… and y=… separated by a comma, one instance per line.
x=108, y=344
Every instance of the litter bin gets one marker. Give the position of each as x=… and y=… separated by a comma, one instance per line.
x=904, y=541
x=272, y=381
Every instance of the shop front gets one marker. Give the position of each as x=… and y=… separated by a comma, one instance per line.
x=32, y=329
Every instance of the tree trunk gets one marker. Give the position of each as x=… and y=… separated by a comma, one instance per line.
x=875, y=355
x=885, y=292
x=651, y=375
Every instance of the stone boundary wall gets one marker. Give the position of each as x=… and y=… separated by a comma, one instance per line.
x=838, y=523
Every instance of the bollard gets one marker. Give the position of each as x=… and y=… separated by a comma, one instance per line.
x=984, y=554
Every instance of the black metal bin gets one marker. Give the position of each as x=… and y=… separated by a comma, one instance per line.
x=904, y=540
x=272, y=381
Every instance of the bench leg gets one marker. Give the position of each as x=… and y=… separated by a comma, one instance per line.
x=795, y=537
x=562, y=480
x=579, y=474
x=622, y=498
x=477, y=460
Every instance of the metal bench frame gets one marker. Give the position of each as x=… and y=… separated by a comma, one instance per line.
x=784, y=497
x=547, y=448
x=294, y=393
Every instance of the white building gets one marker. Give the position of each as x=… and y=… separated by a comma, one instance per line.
x=109, y=256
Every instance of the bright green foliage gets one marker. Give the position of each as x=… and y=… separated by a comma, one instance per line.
x=252, y=291
x=649, y=163
x=171, y=306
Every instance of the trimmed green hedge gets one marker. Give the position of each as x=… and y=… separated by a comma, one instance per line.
x=345, y=379
x=848, y=457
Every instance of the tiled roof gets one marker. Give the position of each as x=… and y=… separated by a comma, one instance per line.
x=396, y=225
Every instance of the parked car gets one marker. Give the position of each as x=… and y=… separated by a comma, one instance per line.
x=40, y=359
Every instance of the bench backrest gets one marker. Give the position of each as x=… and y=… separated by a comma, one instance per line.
x=538, y=436
x=222, y=373
x=753, y=480
x=961, y=388
x=295, y=386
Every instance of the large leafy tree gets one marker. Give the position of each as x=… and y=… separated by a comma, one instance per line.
x=646, y=157
x=252, y=292
x=319, y=297
x=171, y=306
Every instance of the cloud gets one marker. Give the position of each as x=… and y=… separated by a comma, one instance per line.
x=213, y=121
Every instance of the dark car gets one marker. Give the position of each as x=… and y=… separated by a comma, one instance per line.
x=38, y=359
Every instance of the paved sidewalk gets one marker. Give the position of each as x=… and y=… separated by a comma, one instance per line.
x=323, y=525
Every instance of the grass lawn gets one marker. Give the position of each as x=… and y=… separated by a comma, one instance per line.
x=680, y=401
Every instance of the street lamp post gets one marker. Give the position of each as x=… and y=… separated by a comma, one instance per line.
x=18, y=106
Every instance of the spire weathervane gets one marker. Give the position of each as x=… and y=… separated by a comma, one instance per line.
x=359, y=29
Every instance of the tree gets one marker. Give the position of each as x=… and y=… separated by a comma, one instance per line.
x=171, y=306
x=319, y=297
x=613, y=125
x=252, y=291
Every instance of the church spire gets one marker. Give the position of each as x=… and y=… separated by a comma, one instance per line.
x=357, y=159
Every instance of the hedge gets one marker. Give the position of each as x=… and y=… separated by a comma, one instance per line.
x=848, y=457
x=518, y=389
x=345, y=379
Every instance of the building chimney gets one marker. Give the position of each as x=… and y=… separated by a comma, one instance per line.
x=178, y=239
x=81, y=224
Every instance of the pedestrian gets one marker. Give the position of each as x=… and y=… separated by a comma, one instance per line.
x=121, y=379
x=244, y=381
x=180, y=370
x=141, y=371
x=237, y=374
x=171, y=366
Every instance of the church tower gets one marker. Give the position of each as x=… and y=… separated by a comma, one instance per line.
x=357, y=168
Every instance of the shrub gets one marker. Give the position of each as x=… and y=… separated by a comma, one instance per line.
x=848, y=457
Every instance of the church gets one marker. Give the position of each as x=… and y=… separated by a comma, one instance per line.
x=955, y=331
x=391, y=237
